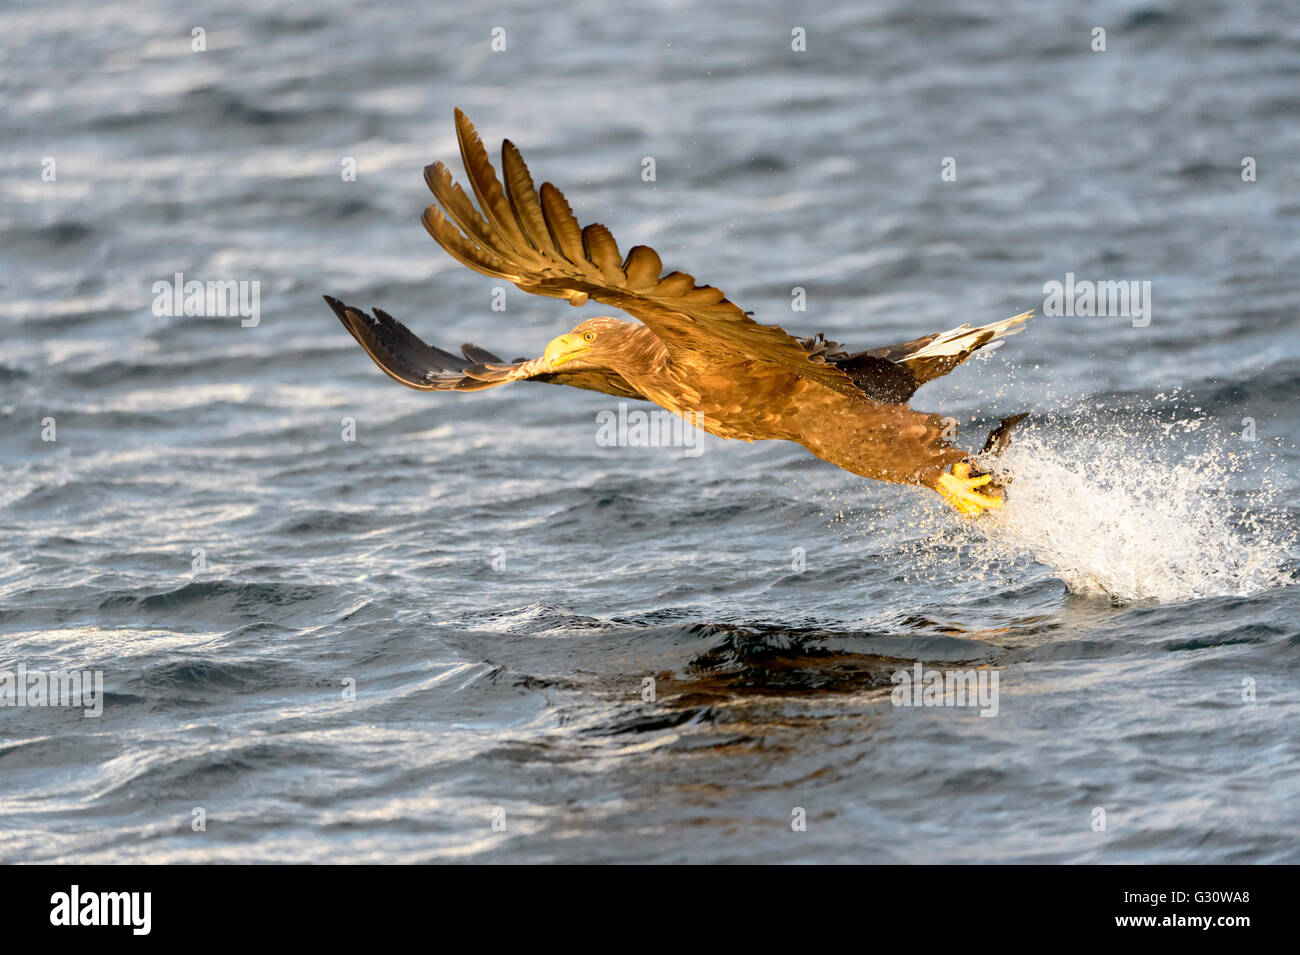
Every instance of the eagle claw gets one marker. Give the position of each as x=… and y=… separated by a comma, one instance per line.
x=958, y=489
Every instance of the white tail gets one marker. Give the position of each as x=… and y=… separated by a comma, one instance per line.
x=964, y=338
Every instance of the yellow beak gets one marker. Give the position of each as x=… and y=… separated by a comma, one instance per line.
x=562, y=349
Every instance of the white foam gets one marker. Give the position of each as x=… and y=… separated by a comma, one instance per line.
x=1141, y=509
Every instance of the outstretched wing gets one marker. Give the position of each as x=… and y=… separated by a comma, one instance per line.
x=532, y=239
x=892, y=373
x=405, y=358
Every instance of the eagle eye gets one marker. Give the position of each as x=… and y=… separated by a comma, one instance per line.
x=589, y=336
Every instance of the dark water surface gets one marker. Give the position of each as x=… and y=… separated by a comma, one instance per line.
x=498, y=587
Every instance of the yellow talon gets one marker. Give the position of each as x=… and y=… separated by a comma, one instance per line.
x=958, y=489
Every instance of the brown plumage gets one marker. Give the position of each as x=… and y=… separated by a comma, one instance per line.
x=693, y=352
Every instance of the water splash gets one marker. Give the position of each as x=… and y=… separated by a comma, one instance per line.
x=1143, y=506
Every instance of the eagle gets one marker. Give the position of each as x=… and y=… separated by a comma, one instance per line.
x=691, y=350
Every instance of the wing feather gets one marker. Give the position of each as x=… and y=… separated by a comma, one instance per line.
x=460, y=210
x=602, y=251
x=405, y=358
x=642, y=268
x=562, y=226
x=463, y=249
x=531, y=238
x=522, y=195
x=483, y=180
x=479, y=356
